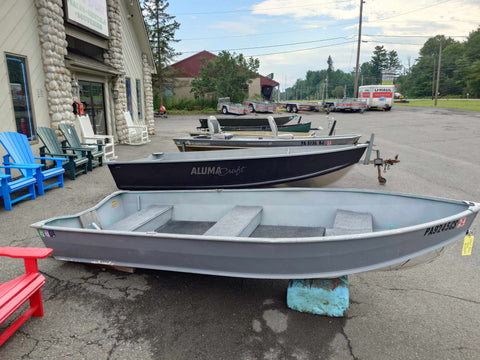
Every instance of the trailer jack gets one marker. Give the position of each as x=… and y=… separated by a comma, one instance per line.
x=379, y=163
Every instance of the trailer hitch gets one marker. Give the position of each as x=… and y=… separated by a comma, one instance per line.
x=378, y=161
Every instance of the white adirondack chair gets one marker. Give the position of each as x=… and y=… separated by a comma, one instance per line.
x=90, y=138
x=137, y=133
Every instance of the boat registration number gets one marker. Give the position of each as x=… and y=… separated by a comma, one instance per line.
x=455, y=224
x=315, y=142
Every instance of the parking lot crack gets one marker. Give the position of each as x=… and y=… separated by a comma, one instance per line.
x=349, y=344
x=434, y=293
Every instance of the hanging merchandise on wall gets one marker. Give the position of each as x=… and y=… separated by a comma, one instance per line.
x=78, y=108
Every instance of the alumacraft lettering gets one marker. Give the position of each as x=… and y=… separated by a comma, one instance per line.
x=216, y=170
x=439, y=228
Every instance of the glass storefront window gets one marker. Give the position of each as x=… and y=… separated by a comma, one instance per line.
x=92, y=97
x=139, y=99
x=21, y=98
x=129, y=95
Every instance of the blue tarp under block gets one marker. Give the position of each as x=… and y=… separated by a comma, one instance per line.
x=319, y=296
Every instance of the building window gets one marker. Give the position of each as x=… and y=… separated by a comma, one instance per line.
x=21, y=97
x=129, y=95
x=139, y=99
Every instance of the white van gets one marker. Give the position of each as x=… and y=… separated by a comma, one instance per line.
x=377, y=96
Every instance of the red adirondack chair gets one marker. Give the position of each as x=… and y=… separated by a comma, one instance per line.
x=16, y=292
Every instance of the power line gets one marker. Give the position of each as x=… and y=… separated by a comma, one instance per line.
x=415, y=36
x=270, y=46
x=393, y=43
x=252, y=35
x=306, y=49
x=411, y=11
x=252, y=10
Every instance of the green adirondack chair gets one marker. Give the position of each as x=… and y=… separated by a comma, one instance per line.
x=20, y=155
x=95, y=152
x=52, y=147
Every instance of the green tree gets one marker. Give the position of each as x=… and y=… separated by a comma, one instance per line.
x=330, y=65
x=379, y=62
x=161, y=29
x=472, y=46
x=471, y=64
x=367, y=75
x=228, y=75
x=421, y=80
x=338, y=92
x=371, y=72
x=393, y=62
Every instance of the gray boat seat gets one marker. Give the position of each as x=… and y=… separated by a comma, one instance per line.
x=274, y=129
x=240, y=221
x=215, y=130
x=147, y=219
x=350, y=222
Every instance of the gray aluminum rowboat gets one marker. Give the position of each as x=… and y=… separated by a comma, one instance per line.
x=208, y=142
x=262, y=233
x=216, y=140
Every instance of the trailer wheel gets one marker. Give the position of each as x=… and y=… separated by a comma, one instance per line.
x=251, y=108
x=224, y=110
x=388, y=108
x=289, y=108
x=295, y=109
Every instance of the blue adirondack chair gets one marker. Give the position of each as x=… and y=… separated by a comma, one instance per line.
x=7, y=186
x=20, y=154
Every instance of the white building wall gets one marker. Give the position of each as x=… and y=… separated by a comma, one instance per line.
x=19, y=36
x=132, y=56
x=254, y=88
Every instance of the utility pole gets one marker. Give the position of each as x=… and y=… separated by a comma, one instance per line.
x=438, y=73
x=358, y=49
x=433, y=80
x=326, y=87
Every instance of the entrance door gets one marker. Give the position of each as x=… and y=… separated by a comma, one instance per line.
x=92, y=97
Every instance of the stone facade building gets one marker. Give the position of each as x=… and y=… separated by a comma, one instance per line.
x=55, y=52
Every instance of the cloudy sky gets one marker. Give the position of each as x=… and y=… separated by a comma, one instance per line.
x=290, y=37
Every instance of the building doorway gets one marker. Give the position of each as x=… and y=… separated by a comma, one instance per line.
x=93, y=98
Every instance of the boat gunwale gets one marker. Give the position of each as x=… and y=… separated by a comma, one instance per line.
x=268, y=138
x=472, y=209
x=302, y=151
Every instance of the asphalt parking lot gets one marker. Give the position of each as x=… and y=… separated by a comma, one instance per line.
x=430, y=311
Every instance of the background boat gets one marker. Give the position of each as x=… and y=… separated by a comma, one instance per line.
x=290, y=128
x=248, y=120
x=212, y=142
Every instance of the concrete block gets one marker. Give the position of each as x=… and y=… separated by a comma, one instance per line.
x=328, y=297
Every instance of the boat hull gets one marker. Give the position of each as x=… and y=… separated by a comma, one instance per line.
x=294, y=128
x=266, y=133
x=394, y=239
x=248, y=121
x=245, y=168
